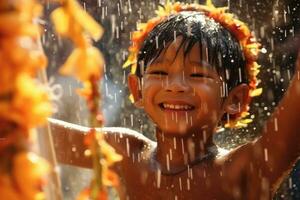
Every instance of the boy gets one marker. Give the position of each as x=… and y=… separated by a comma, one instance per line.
x=187, y=84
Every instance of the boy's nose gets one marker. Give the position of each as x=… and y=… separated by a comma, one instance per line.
x=176, y=84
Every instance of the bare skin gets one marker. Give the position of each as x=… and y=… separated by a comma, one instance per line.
x=182, y=164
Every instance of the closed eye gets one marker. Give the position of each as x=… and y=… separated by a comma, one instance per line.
x=199, y=75
x=162, y=73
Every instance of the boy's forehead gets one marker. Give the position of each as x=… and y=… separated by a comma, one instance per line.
x=177, y=48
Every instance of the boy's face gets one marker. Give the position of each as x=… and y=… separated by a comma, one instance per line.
x=182, y=94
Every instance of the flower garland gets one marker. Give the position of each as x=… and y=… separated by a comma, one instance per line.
x=239, y=29
x=86, y=64
x=24, y=103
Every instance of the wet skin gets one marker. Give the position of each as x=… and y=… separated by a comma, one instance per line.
x=183, y=98
x=187, y=83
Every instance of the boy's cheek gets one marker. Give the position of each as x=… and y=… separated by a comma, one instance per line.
x=153, y=83
x=209, y=93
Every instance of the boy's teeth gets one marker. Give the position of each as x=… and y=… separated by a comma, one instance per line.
x=177, y=107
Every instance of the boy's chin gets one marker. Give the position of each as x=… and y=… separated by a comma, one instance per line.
x=177, y=131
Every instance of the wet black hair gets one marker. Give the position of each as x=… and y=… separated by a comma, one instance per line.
x=218, y=46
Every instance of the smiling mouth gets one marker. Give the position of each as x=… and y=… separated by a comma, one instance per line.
x=176, y=107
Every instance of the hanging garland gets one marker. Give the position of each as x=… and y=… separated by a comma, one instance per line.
x=86, y=65
x=24, y=103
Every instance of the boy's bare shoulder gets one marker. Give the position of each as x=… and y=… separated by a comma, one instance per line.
x=237, y=158
x=118, y=133
x=66, y=136
x=125, y=139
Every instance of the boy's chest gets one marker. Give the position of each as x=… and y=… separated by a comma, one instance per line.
x=196, y=183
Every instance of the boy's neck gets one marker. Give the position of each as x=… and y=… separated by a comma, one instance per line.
x=175, y=154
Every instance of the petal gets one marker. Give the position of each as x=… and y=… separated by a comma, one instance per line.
x=84, y=64
x=256, y=92
x=131, y=98
x=109, y=153
x=130, y=60
x=110, y=178
x=69, y=66
x=133, y=68
x=7, y=189
x=61, y=21
x=86, y=21
x=29, y=172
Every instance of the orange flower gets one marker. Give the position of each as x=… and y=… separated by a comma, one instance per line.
x=251, y=51
x=84, y=63
x=86, y=91
x=27, y=105
x=23, y=103
x=26, y=180
x=8, y=77
x=110, y=178
x=131, y=60
x=16, y=17
x=74, y=22
x=85, y=195
x=11, y=135
x=18, y=55
x=90, y=137
x=22, y=54
x=109, y=153
x=28, y=173
x=241, y=30
x=108, y=157
x=7, y=190
x=166, y=10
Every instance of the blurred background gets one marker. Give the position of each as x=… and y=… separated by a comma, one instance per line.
x=275, y=23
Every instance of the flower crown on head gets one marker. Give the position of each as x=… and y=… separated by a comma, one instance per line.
x=239, y=29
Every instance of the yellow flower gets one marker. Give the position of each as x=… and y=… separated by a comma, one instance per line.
x=166, y=10
x=210, y=4
x=251, y=51
x=109, y=153
x=256, y=92
x=84, y=63
x=131, y=60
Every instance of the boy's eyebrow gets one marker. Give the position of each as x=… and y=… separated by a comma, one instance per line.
x=201, y=64
x=161, y=60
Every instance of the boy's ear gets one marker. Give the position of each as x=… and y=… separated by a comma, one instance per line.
x=135, y=90
x=236, y=101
